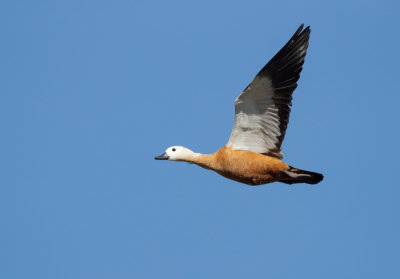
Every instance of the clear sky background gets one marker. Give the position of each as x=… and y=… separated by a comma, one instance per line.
x=91, y=91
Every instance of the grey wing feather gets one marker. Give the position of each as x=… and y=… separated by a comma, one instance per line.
x=262, y=110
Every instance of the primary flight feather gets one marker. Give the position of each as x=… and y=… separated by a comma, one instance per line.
x=253, y=152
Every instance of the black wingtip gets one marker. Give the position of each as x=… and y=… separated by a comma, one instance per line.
x=301, y=28
x=297, y=33
x=300, y=32
x=284, y=72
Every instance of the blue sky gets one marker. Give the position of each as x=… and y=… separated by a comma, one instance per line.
x=91, y=91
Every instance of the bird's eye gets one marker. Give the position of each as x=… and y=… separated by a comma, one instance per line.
x=173, y=149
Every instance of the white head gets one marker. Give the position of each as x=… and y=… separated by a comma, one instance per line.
x=177, y=153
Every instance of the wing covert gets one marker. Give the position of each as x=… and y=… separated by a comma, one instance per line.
x=262, y=110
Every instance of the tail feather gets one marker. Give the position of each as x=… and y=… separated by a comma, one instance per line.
x=294, y=175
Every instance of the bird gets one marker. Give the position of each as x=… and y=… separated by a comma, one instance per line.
x=253, y=153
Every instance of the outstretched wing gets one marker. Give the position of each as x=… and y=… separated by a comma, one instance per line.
x=262, y=110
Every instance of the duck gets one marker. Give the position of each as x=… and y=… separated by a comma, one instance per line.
x=253, y=153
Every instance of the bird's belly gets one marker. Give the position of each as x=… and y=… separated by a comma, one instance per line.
x=249, y=179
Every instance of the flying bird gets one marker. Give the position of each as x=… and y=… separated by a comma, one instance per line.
x=253, y=153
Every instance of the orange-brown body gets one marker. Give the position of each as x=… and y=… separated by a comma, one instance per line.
x=243, y=166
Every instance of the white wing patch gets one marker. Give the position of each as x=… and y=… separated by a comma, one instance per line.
x=256, y=126
x=262, y=110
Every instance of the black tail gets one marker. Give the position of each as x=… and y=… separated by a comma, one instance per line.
x=294, y=175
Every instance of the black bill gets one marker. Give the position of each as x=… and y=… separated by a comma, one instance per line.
x=162, y=157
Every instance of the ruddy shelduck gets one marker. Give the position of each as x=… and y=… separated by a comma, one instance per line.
x=253, y=153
